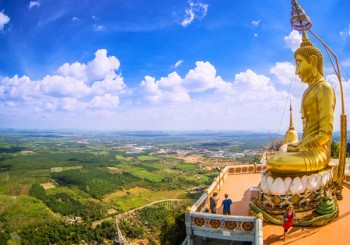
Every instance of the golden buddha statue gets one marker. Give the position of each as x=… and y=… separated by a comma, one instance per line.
x=312, y=153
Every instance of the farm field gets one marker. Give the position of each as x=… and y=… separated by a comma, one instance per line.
x=74, y=179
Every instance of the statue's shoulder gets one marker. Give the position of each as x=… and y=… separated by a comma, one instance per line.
x=324, y=85
x=325, y=89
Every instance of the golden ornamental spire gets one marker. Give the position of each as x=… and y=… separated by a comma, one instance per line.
x=291, y=125
x=291, y=135
x=300, y=21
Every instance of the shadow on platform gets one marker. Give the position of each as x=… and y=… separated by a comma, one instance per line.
x=294, y=234
x=240, y=207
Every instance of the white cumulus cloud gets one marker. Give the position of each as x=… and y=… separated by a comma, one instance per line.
x=93, y=95
x=59, y=86
x=284, y=72
x=166, y=89
x=204, y=100
x=105, y=101
x=71, y=104
x=173, y=88
x=202, y=78
x=198, y=10
x=293, y=40
x=76, y=86
x=251, y=88
x=4, y=19
x=100, y=68
x=18, y=88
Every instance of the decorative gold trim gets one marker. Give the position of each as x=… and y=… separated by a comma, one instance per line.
x=199, y=221
x=214, y=223
x=230, y=225
x=247, y=226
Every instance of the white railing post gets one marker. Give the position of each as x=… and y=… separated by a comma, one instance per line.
x=258, y=232
x=188, y=241
x=188, y=222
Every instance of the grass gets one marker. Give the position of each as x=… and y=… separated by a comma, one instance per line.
x=132, y=200
x=17, y=182
x=60, y=169
x=72, y=191
x=122, y=193
x=144, y=174
x=4, y=176
x=115, y=170
x=185, y=167
x=48, y=185
x=148, y=158
x=23, y=211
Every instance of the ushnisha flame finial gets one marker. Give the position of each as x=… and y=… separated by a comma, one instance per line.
x=305, y=41
x=299, y=20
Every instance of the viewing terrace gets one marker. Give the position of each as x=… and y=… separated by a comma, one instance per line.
x=239, y=182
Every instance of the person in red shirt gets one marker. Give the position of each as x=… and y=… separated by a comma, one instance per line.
x=288, y=219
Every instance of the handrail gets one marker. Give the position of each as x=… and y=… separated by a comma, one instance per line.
x=238, y=228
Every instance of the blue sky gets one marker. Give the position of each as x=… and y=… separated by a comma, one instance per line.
x=160, y=65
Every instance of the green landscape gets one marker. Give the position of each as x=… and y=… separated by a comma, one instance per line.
x=67, y=188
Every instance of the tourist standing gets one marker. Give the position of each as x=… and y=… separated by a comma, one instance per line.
x=288, y=219
x=213, y=202
x=227, y=205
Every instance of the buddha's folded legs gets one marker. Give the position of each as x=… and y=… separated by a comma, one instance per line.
x=298, y=162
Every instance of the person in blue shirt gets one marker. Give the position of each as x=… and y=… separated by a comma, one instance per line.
x=227, y=205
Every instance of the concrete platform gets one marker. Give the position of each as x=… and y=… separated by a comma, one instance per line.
x=238, y=188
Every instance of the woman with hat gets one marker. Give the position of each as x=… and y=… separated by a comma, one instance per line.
x=288, y=219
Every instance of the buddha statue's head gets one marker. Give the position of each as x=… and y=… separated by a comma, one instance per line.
x=311, y=54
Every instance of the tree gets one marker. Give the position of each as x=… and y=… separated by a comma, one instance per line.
x=4, y=237
x=37, y=191
x=173, y=230
x=334, y=149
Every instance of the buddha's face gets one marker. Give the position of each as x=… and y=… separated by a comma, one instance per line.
x=303, y=68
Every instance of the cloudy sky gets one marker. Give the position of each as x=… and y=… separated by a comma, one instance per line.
x=160, y=64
